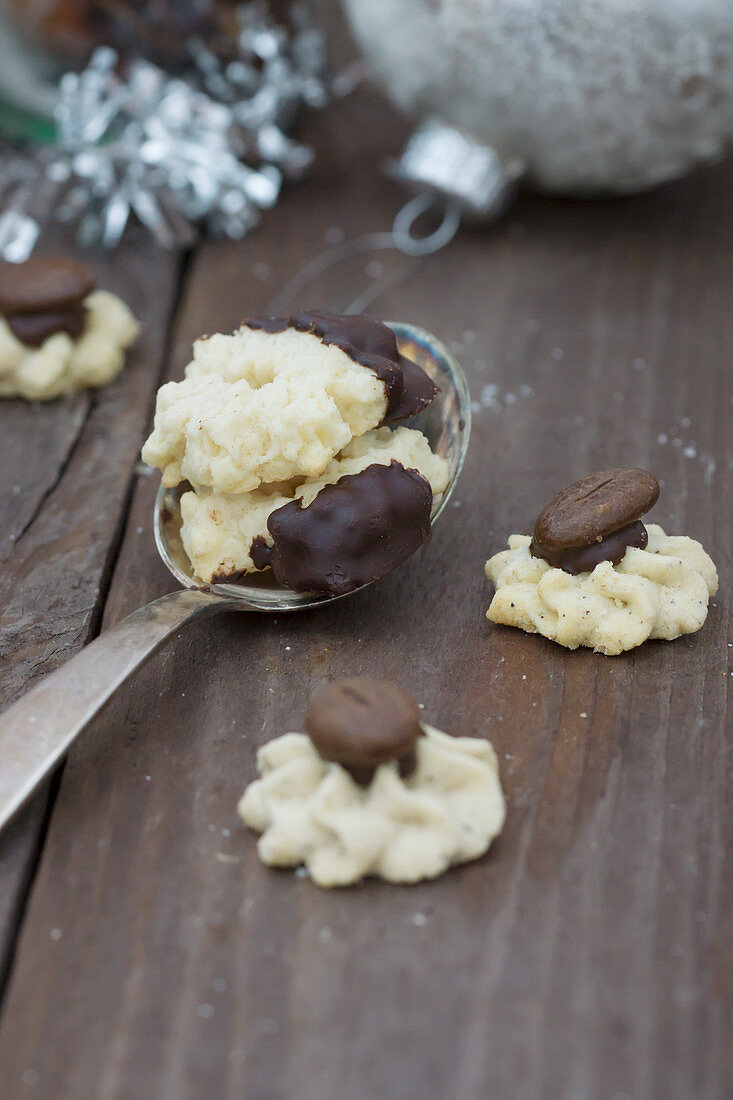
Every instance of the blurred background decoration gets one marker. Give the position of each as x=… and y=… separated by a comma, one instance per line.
x=576, y=97
x=177, y=112
x=173, y=111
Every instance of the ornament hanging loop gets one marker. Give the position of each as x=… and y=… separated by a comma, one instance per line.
x=403, y=225
x=455, y=174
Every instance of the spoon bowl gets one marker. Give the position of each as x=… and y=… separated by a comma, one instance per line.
x=447, y=425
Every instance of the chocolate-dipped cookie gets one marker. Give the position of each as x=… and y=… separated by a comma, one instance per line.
x=371, y=343
x=279, y=428
x=353, y=532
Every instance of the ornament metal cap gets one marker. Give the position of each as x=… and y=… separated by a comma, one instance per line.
x=448, y=164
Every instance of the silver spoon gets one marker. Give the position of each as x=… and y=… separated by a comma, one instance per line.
x=36, y=732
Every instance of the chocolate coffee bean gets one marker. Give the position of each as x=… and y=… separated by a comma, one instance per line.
x=44, y=284
x=593, y=508
x=361, y=723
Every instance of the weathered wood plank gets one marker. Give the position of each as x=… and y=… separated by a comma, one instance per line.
x=66, y=472
x=590, y=953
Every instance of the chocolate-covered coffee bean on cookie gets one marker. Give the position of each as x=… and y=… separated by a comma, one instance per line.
x=370, y=790
x=362, y=723
x=595, y=519
x=44, y=284
x=593, y=574
x=58, y=333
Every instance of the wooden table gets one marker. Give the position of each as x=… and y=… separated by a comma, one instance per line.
x=146, y=952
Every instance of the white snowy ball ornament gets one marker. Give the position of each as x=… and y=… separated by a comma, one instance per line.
x=577, y=97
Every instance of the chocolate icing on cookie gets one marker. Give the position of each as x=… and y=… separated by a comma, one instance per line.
x=584, y=559
x=417, y=393
x=372, y=344
x=260, y=553
x=228, y=578
x=33, y=329
x=353, y=532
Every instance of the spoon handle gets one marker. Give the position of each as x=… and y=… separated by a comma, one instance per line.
x=36, y=732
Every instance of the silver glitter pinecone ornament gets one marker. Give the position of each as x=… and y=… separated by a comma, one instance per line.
x=580, y=97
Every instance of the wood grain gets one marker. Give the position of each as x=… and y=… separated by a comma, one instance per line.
x=66, y=470
x=590, y=953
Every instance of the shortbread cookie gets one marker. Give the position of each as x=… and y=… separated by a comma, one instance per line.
x=58, y=334
x=372, y=344
x=372, y=791
x=614, y=589
x=219, y=530
x=659, y=592
x=273, y=403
